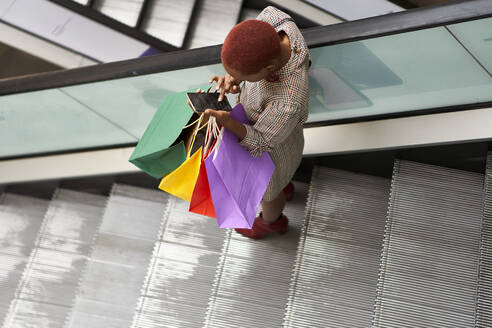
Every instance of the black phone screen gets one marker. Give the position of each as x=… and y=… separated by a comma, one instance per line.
x=202, y=101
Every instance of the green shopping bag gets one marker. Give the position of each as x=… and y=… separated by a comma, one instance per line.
x=162, y=147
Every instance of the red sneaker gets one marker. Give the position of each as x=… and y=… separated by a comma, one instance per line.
x=261, y=229
x=289, y=191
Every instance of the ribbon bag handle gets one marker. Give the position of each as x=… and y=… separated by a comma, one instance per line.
x=195, y=132
x=217, y=144
x=213, y=137
x=210, y=136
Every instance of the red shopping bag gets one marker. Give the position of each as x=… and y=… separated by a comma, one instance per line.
x=201, y=200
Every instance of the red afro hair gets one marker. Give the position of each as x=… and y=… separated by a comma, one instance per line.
x=250, y=46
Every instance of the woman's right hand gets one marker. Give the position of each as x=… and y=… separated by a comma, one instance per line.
x=227, y=84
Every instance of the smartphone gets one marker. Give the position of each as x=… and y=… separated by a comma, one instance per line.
x=200, y=101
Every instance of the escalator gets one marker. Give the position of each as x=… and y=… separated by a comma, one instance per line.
x=405, y=245
x=81, y=33
x=180, y=25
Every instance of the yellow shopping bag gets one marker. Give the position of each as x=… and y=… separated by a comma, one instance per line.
x=182, y=180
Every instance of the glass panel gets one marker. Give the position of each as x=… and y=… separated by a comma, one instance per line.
x=130, y=103
x=90, y=115
x=476, y=36
x=404, y=72
x=50, y=120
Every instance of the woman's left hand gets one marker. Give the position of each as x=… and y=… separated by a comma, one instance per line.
x=221, y=116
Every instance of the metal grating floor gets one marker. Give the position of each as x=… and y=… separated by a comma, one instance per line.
x=121, y=252
x=484, y=297
x=180, y=276
x=20, y=220
x=335, y=278
x=430, y=258
x=251, y=286
x=48, y=285
x=138, y=258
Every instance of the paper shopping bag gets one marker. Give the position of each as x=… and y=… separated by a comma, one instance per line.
x=201, y=200
x=161, y=148
x=181, y=182
x=237, y=180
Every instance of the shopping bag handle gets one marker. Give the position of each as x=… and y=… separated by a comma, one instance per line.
x=192, y=123
x=195, y=132
x=213, y=134
x=217, y=144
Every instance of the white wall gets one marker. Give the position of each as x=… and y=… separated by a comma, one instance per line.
x=70, y=30
x=40, y=48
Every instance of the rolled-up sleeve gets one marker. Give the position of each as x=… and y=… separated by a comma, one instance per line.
x=274, y=125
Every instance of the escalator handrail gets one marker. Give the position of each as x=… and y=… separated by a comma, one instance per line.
x=395, y=23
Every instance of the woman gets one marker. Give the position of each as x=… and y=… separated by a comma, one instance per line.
x=270, y=55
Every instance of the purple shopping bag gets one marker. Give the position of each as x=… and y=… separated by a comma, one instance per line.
x=237, y=180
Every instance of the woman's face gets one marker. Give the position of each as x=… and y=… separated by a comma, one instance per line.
x=255, y=77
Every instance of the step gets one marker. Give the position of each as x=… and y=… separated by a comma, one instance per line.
x=202, y=30
x=181, y=273
x=82, y=2
x=337, y=264
x=253, y=276
x=429, y=264
x=48, y=284
x=484, y=299
x=125, y=11
x=120, y=254
x=20, y=220
x=168, y=20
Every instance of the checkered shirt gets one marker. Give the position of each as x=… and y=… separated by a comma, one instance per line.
x=278, y=110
